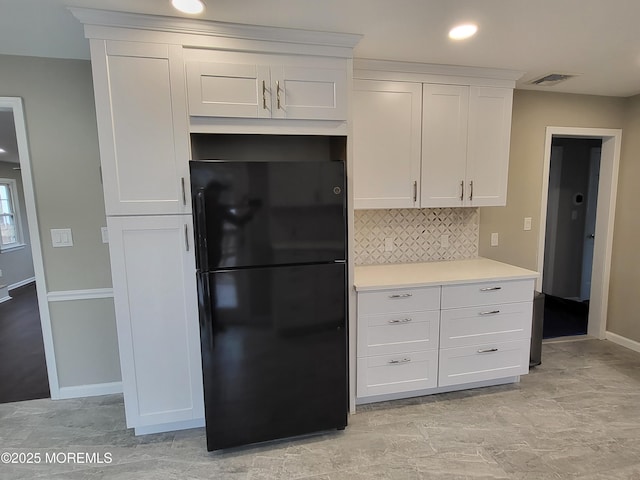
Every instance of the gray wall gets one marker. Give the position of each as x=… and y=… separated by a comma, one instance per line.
x=623, y=317
x=16, y=265
x=63, y=144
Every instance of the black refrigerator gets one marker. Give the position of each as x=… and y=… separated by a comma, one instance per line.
x=271, y=273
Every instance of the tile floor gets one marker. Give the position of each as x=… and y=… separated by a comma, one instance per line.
x=577, y=416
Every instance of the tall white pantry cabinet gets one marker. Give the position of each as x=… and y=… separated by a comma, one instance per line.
x=156, y=80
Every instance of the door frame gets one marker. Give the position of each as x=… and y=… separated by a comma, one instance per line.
x=605, y=216
x=15, y=104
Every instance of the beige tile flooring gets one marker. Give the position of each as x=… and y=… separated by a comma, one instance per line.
x=577, y=416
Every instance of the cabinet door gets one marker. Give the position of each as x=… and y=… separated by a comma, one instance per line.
x=386, y=144
x=228, y=90
x=142, y=127
x=488, y=145
x=444, y=145
x=154, y=284
x=306, y=93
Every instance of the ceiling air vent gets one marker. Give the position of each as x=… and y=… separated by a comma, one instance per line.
x=552, y=79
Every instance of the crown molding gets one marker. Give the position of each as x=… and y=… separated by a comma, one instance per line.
x=159, y=23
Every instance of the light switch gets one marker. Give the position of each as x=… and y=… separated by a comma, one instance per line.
x=494, y=239
x=105, y=234
x=61, y=237
x=527, y=223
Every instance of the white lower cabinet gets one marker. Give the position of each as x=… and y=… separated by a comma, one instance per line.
x=423, y=340
x=153, y=270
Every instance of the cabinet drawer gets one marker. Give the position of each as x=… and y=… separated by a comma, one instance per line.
x=485, y=324
x=483, y=362
x=487, y=293
x=399, y=300
x=397, y=373
x=398, y=333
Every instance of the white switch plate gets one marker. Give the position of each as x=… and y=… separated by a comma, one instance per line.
x=388, y=245
x=444, y=241
x=527, y=223
x=61, y=237
x=494, y=239
x=105, y=234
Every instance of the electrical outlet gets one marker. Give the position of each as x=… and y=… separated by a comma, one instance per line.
x=494, y=239
x=527, y=223
x=444, y=241
x=388, y=245
x=105, y=234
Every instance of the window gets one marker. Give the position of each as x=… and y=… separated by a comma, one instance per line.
x=10, y=235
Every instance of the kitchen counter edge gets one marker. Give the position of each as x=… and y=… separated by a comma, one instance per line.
x=451, y=272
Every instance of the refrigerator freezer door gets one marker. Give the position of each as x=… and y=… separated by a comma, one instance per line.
x=274, y=349
x=268, y=213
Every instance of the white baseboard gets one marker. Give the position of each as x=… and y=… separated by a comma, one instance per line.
x=169, y=427
x=69, y=295
x=624, y=341
x=5, y=299
x=89, y=390
x=21, y=283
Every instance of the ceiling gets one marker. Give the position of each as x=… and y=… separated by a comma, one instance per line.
x=595, y=38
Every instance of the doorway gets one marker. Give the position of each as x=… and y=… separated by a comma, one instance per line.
x=603, y=192
x=27, y=362
x=570, y=234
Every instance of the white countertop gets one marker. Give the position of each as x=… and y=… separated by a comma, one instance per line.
x=372, y=277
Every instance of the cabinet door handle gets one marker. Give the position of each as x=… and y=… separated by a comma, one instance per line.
x=264, y=95
x=184, y=192
x=488, y=350
x=471, y=190
x=462, y=190
x=186, y=236
x=399, y=362
x=490, y=289
x=415, y=191
x=400, y=320
x=278, y=93
x=401, y=295
x=490, y=312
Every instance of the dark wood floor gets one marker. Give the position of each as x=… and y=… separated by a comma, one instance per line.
x=23, y=371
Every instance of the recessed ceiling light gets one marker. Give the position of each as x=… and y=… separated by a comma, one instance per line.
x=2, y=150
x=461, y=32
x=188, y=6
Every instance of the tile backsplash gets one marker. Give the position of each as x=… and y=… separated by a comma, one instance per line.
x=416, y=235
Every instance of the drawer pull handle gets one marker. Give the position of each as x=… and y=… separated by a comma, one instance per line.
x=490, y=289
x=399, y=362
x=401, y=295
x=491, y=312
x=400, y=320
x=488, y=350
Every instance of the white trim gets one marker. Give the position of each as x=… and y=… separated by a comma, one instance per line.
x=5, y=299
x=21, y=283
x=68, y=295
x=13, y=247
x=93, y=390
x=607, y=192
x=169, y=427
x=623, y=341
x=15, y=104
x=196, y=31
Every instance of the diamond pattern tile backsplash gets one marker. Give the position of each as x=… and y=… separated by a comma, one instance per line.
x=416, y=235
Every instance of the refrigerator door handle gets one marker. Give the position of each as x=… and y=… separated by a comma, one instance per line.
x=200, y=219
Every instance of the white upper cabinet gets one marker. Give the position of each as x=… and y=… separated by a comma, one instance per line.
x=465, y=145
x=488, y=144
x=442, y=132
x=262, y=88
x=142, y=127
x=386, y=144
x=444, y=144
